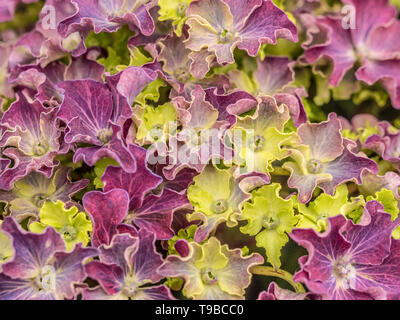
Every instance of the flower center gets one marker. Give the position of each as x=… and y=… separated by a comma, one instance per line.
x=130, y=288
x=39, y=199
x=195, y=138
x=156, y=133
x=181, y=74
x=46, y=280
x=69, y=233
x=257, y=143
x=269, y=223
x=314, y=166
x=225, y=36
x=219, y=206
x=40, y=148
x=181, y=9
x=208, y=276
x=322, y=217
x=345, y=273
x=105, y=135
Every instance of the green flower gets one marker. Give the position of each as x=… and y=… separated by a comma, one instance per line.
x=212, y=271
x=269, y=218
x=6, y=248
x=73, y=226
x=390, y=205
x=324, y=206
x=154, y=122
x=262, y=138
x=174, y=10
x=216, y=197
x=151, y=92
x=388, y=200
x=99, y=168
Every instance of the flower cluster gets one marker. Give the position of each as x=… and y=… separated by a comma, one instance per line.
x=172, y=149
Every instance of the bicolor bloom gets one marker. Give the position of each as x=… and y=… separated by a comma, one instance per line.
x=221, y=26
x=33, y=139
x=211, y=271
x=323, y=158
x=40, y=269
x=30, y=193
x=372, y=44
x=94, y=113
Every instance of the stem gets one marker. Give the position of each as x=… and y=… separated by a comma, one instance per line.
x=282, y=274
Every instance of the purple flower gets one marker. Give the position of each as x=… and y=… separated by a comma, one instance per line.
x=40, y=268
x=323, y=158
x=152, y=212
x=125, y=266
x=94, y=113
x=352, y=261
x=33, y=140
x=373, y=44
x=221, y=26
x=108, y=16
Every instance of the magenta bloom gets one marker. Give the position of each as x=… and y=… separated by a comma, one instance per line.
x=373, y=43
x=352, y=261
x=33, y=139
x=221, y=26
x=40, y=268
x=125, y=267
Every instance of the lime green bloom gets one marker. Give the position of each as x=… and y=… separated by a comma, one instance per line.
x=395, y=3
x=269, y=218
x=262, y=138
x=174, y=10
x=388, y=200
x=216, y=197
x=390, y=205
x=324, y=206
x=212, y=271
x=151, y=92
x=6, y=248
x=99, y=168
x=154, y=122
x=138, y=58
x=74, y=227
